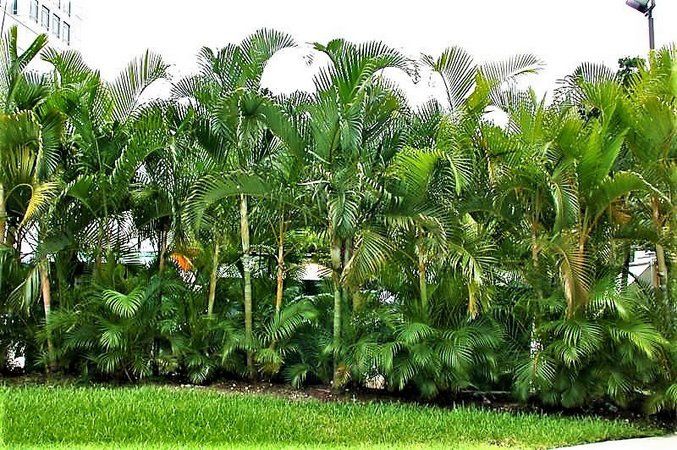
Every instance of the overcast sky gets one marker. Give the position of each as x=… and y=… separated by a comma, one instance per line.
x=562, y=33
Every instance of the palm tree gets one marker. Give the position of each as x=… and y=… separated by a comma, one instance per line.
x=472, y=90
x=235, y=114
x=286, y=206
x=112, y=132
x=19, y=90
x=39, y=153
x=650, y=117
x=30, y=141
x=27, y=147
x=355, y=124
x=589, y=151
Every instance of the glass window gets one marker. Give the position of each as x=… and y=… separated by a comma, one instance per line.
x=15, y=7
x=44, y=17
x=34, y=10
x=66, y=33
x=56, y=25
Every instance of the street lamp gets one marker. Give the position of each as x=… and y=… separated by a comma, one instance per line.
x=645, y=7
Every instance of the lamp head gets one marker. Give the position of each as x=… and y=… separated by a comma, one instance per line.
x=643, y=6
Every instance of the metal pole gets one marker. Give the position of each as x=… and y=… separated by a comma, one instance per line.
x=4, y=15
x=652, y=42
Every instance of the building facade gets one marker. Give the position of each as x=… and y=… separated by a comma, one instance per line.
x=59, y=19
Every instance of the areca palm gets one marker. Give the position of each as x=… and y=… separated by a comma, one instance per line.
x=652, y=138
x=236, y=113
x=162, y=189
x=286, y=205
x=112, y=132
x=30, y=144
x=558, y=191
x=355, y=129
x=473, y=86
x=20, y=90
x=612, y=328
x=44, y=152
x=32, y=193
x=472, y=90
x=554, y=159
x=588, y=156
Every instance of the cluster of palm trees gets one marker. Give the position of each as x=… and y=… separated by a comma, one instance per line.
x=452, y=249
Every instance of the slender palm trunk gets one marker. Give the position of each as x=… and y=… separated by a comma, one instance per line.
x=347, y=249
x=213, y=276
x=335, y=254
x=99, y=247
x=534, y=341
x=625, y=270
x=575, y=301
x=3, y=215
x=246, y=267
x=422, y=283
x=422, y=270
x=662, y=270
x=534, y=256
x=43, y=268
x=280, y=267
x=162, y=238
x=660, y=251
x=12, y=238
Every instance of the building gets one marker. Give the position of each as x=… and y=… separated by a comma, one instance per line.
x=643, y=268
x=59, y=19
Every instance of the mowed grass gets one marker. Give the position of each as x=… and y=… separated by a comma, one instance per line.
x=165, y=417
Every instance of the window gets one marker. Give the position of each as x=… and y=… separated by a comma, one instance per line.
x=66, y=33
x=56, y=25
x=44, y=17
x=34, y=11
x=15, y=7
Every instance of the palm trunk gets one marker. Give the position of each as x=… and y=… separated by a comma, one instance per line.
x=246, y=267
x=280, y=268
x=660, y=251
x=213, y=276
x=422, y=283
x=534, y=256
x=47, y=304
x=662, y=270
x=99, y=247
x=335, y=254
x=534, y=341
x=576, y=301
x=422, y=269
x=12, y=238
x=347, y=254
x=162, y=238
x=625, y=270
x=3, y=215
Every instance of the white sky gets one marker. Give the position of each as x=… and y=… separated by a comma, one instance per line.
x=563, y=33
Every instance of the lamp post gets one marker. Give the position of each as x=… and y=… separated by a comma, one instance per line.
x=645, y=7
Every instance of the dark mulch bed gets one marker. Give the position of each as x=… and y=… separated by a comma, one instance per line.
x=495, y=401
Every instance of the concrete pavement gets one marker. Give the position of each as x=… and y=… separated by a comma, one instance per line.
x=654, y=443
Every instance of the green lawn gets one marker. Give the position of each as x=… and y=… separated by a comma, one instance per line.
x=163, y=417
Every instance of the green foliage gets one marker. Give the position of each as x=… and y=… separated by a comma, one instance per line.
x=144, y=238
